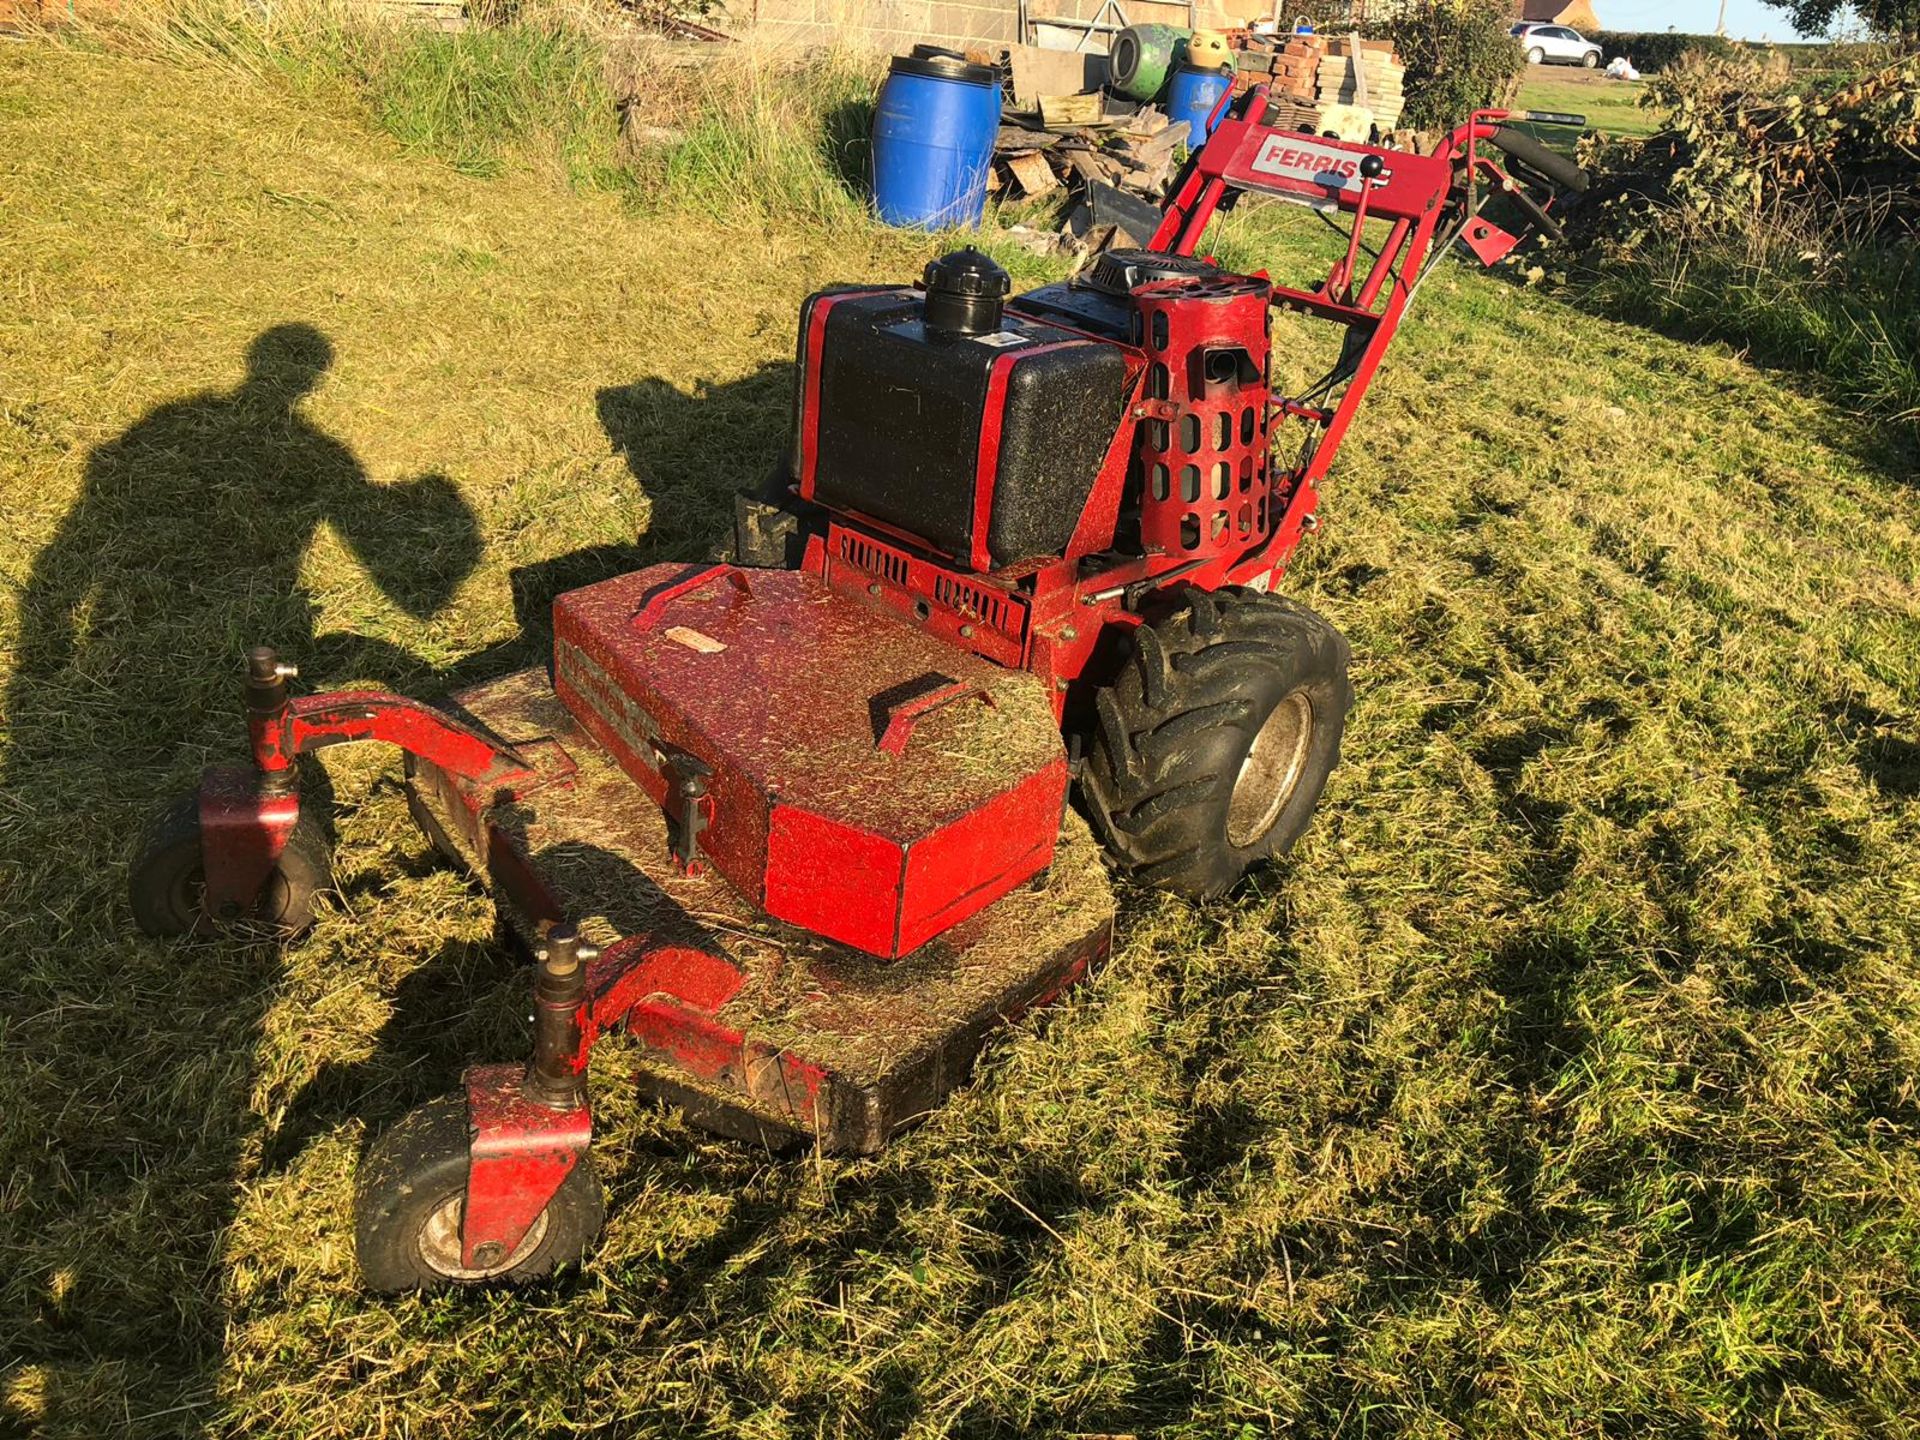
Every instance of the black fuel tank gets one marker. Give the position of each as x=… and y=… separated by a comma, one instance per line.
x=906, y=420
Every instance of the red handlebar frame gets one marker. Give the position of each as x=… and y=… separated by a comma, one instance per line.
x=1416, y=195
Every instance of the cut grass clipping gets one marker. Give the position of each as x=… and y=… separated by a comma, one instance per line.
x=1562, y=1085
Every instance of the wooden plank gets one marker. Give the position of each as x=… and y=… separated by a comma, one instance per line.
x=1034, y=175
x=1016, y=138
x=1343, y=45
x=1093, y=167
x=1057, y=111
x=1038, y=72
x=1151, y=151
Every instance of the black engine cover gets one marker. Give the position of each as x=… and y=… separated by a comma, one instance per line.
x=903, y=416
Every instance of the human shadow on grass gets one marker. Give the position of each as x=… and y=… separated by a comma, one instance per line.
x=690, y=453
x=186, y=543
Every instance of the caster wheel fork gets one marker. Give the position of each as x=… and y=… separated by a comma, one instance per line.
x=410, y=1210
x=496, y=1184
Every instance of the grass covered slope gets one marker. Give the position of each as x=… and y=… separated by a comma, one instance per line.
x=1563, y=1086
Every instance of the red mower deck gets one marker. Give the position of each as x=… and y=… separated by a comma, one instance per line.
x=856, y=776
x=759, y=1029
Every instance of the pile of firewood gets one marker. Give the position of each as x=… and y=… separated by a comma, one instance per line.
x=1116, y=159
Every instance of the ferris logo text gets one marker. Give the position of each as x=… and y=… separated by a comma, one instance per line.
x=1297, y=159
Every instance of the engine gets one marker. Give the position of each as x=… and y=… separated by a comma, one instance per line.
x=977, y=427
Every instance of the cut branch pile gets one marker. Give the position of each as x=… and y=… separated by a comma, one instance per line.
x=1737, y=148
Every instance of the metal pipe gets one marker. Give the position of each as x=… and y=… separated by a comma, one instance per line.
x=266, y=707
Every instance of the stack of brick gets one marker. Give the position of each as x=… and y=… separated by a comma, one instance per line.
x=1289, y=66
x=1339, y=79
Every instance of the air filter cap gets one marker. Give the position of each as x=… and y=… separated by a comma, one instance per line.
x=966, y=291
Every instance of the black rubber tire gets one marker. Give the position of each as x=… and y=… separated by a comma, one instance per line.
x=1536, y=56
x=416, y=1170
x=166, y=879
x=1177, y=726
x=1591, y=60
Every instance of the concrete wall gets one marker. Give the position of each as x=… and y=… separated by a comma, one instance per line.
x=898, y=24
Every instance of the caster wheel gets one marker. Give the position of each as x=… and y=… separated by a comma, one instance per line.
x=167, y=882
x=411, y=1191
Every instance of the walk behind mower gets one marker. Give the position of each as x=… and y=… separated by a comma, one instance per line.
x=800, y=823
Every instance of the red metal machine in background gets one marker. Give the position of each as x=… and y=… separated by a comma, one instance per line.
x=800, y=823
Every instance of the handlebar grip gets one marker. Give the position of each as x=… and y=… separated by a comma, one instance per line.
x=1535, y=156
x=1548, y=117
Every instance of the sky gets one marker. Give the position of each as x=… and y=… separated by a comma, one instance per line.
x=1746, y=19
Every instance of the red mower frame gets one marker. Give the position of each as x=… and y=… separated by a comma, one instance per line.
x=530, y=1123
x=1051, y=616
x=1428, y=201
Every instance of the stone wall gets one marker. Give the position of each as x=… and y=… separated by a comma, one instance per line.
x=897, y=24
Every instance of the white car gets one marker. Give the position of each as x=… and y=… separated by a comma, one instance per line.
x=1556, y=45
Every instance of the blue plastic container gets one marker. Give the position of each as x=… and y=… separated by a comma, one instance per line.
x=933, y=139
x=1192, y=96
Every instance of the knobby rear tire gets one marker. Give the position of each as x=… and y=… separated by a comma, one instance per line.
x=1210, y=703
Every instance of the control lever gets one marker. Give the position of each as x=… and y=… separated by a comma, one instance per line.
x=1340, y=282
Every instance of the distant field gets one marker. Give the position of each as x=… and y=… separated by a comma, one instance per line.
x=1562, y=1085
x=1611, y=106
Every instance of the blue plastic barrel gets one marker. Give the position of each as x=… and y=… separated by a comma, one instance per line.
x=933, y=139
x=1192, y=96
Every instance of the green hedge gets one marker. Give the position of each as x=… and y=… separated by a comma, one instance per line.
x=1459, y=57
x=1654, y=50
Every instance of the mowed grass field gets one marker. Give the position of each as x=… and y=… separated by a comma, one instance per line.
x=1563, y=1084
x=1612, y=107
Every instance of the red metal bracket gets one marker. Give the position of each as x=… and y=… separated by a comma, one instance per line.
x=340, y=717
x=520, y=1154
x=636, y=970
x=246, y=815
x=1489, y=243
x=903, y=716
x=243, y=832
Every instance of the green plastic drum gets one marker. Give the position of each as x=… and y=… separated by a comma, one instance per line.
x=1144, y=57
